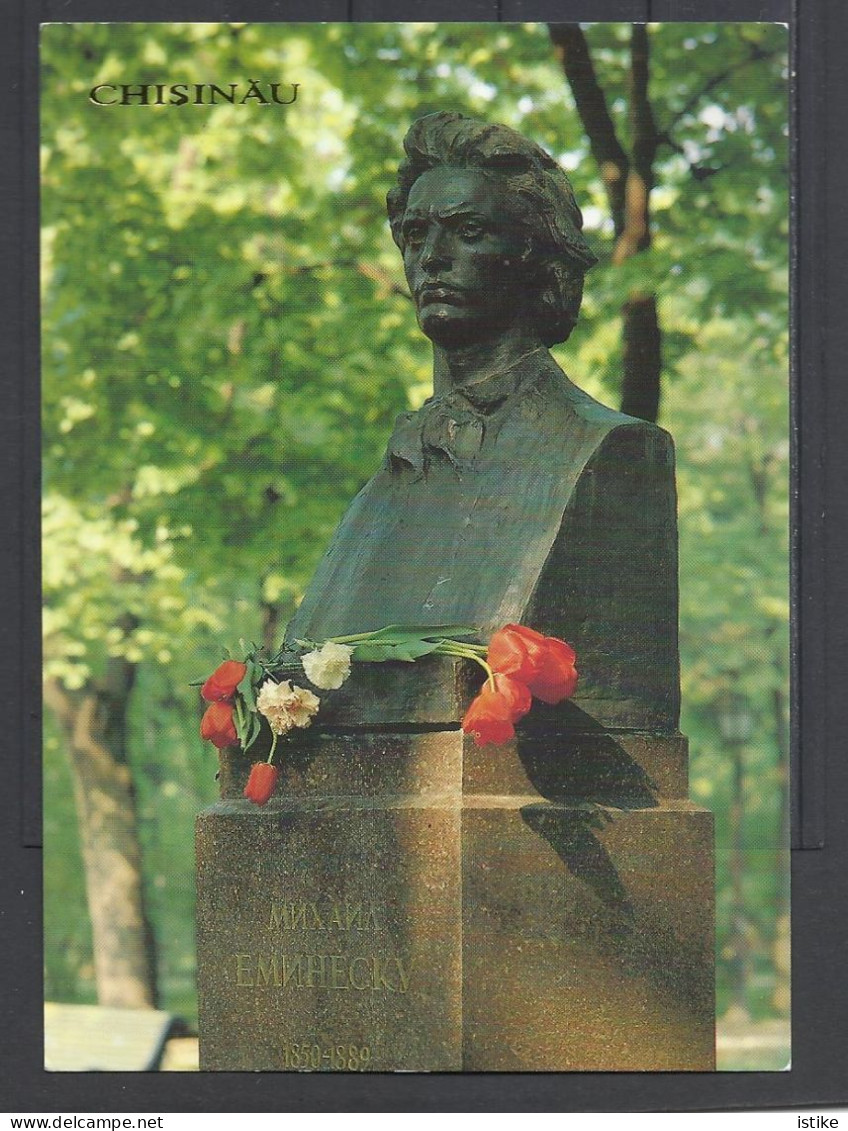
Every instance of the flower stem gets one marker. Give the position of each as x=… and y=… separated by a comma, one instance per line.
x=491, y=674
x=273, y=748
x=454, y=648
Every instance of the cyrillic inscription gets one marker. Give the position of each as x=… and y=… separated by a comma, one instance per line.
x=308, y=964
x=373, y=972
x=325, y=915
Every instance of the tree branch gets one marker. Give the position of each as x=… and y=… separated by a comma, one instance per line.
x=382, y=278
x=572, y=50
x=755, y=55
x=368, y=270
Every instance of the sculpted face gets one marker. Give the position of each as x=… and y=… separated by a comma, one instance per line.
x=464, y=256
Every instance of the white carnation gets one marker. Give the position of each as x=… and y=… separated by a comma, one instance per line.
x=286, y=707
x=303, y=706
x=328, y=667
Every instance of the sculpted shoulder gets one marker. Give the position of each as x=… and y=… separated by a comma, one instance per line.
x=568, y=404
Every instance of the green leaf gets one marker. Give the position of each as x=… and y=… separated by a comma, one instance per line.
x=398, y=633
x=406, y=650
x=252, y=731
x=241, y=721
x=253, y=671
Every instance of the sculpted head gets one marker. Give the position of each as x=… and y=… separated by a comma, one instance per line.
x=489, y=230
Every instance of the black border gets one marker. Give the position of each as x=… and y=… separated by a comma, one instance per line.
x=819, y=892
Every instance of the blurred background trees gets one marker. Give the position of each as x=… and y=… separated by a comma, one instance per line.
x=227, y=339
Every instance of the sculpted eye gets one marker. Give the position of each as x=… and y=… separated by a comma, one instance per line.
x=413, y=234
x=471, y=230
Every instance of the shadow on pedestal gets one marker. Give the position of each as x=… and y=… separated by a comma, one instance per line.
x=426, y=904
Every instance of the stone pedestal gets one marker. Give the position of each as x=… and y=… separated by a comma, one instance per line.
x=408, y=901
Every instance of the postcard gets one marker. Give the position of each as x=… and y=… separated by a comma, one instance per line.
x=416, y=546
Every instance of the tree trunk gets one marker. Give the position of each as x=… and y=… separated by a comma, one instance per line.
x=641, y=339
x=636, y=235
x=641, y=335
x=628, y=181
x=574, y=56
x=94, y=721
x=270, y=626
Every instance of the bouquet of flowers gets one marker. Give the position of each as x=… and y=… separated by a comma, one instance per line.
x=244, y=696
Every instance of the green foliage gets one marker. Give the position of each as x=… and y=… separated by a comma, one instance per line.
x=227, y=340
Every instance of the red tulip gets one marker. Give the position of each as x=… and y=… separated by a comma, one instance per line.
x=217, y=725
x=261, y=783
x=544, y=663
x=223, y=682
x=557, y=677
x=492, y=715
x=517, y=651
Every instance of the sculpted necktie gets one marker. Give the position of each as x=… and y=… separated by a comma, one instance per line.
x=454, y=426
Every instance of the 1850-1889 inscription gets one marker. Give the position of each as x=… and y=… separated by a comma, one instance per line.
x=316, y=1055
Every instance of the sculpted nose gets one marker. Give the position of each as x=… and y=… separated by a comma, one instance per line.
x=434, y=254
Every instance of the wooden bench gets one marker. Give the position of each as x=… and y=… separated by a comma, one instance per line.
x=92, y=1038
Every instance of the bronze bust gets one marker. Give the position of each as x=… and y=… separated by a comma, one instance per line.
x=511, y=495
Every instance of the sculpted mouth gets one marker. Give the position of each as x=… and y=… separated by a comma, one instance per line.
x=433, y=292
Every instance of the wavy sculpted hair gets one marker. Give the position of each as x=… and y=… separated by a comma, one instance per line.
x=540, y=196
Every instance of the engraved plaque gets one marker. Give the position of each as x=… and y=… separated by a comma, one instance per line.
x=339, y=948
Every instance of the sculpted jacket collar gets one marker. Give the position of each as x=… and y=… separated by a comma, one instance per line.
x=456, y=425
